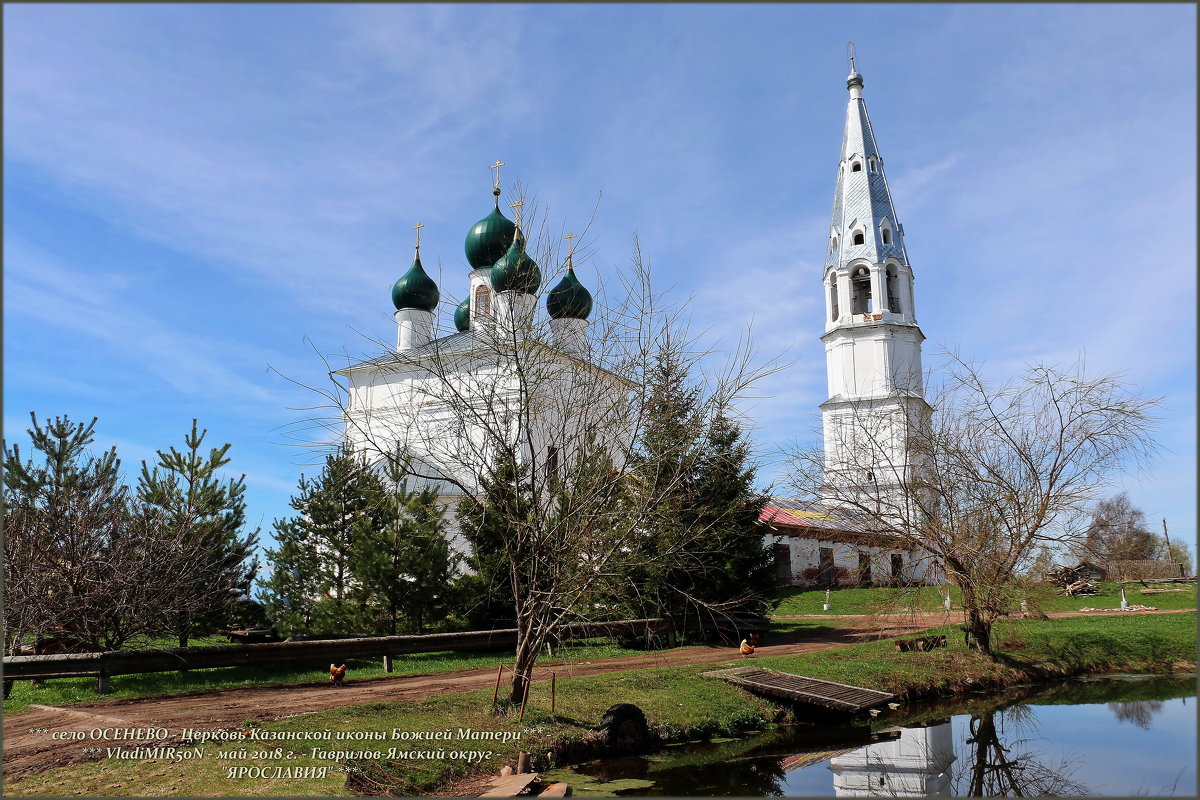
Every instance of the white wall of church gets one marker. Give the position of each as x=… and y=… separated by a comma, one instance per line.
x=804, y=555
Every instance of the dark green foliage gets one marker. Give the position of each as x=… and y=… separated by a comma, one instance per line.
x=310, y=587
x=364, y=554
x=205, y=516
x=703, y=551
x=404, y=564
x=484, y=596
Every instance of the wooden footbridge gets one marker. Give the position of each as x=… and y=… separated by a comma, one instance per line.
x=799, y=689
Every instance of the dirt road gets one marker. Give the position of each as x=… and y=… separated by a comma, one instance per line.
x=28, y=749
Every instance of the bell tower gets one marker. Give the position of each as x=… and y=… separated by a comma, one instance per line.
x=872, y=340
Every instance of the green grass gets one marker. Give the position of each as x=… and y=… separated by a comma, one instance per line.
x=65, y=691
x=877, y=600
x=678, y=701
x=1048, y=599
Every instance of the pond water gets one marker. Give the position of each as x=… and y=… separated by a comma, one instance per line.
x=1116, y=736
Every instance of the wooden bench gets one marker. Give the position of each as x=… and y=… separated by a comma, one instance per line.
x=921, y=643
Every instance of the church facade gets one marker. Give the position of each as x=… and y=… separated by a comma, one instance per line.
x=506, y=385
x=873, y=365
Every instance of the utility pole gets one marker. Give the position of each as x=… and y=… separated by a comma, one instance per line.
x=1168, y=538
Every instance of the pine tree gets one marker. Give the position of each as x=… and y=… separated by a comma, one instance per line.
x=312, y=580
x=403, y=566
x=78, y=561
x=484, y=596
x=203, y=517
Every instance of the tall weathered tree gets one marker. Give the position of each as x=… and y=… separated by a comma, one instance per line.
x=1118, y=531
x=997, y=473
x=211, y=555
x=565, y=404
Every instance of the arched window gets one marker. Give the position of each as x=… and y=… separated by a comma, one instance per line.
x=887, y=234
x=860, y=283
x=872, y=163
x=859, y=238
x=856, y=167
x=833, y=299
x=833, y=243
x=483, y=302
x=893, y=291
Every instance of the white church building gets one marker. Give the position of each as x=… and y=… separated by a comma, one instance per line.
x=873, y=364
x=499, y=386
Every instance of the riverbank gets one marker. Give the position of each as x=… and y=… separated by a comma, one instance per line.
x=679, y=703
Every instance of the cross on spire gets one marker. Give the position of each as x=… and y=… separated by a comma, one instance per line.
x=516, y=207
x=417, y=228
x=850, y=50
x=496, y=180
x=570, y=237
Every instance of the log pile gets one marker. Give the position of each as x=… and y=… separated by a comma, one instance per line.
x=1071, y=582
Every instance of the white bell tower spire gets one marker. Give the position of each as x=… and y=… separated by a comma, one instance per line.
x=872, y=341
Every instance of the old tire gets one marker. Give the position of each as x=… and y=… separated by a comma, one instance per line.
x=624, y=730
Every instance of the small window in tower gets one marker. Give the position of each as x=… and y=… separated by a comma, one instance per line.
x=859, y=238
x=887, y=235
x=832, y=243
x=870, y=476
x=856, y=167
x=551, y=465
x=833, y=298
x=483, y=302
x=872, y=162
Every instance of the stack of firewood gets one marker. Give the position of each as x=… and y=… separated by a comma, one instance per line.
x=1071, y=582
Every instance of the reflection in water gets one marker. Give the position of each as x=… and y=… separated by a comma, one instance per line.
x=914, y=765
x=1025, y=742
x=1139, y=712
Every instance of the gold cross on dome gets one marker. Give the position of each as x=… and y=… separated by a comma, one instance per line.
x=496, y=180
x=516, y=207
x=570, y=237
x=417, y=228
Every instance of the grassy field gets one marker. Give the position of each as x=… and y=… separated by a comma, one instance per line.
x=678, y=701
x=930, y=598
x=65, y=691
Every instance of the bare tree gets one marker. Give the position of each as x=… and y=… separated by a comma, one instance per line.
x=537, y=430
x=989, y=476
x=1118, y=531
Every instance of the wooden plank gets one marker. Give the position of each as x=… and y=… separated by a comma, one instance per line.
x=510, y=785
x=829, y=694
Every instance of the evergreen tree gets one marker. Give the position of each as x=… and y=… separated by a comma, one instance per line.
x=708, y=552
x=203, y=518
x=484, y=596
x=78, y=562
x=312, y=581
x=403, y=566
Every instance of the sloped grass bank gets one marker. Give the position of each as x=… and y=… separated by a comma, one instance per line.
x=680, y=703
x=895, y=600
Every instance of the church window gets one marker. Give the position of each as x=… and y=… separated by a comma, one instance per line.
x=856, y=167
x=860, y=282
x=859, y=238
x=870, y=476
x=893, y=291
x=887, y=235
x=833, y=298
x=483, y=302
x=832, y=243
x=872, y=163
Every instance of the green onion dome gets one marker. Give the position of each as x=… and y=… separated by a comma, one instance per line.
x=516, y=272
x=462, y=315
x=570, y=299
x=488, y=239
x=415, y=289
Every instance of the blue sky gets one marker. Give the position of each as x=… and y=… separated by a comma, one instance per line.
x=196, y=197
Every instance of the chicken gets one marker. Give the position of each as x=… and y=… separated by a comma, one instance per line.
x=337, y=674
x=746, y=648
